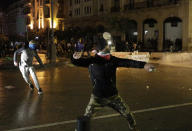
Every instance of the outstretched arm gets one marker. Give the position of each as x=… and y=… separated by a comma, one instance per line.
x=15, y=56
x=133, y=63
x=120, y=62
x=38, y=58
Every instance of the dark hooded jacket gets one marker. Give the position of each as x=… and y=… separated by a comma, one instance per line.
x=103, y=72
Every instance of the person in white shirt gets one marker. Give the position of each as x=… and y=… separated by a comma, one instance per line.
x=26, y=64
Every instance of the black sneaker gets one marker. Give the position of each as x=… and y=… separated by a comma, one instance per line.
x=40, y=91
x=131, y=121
x=31, y=87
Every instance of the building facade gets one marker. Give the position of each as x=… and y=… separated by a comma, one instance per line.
x=159, y=24
x=3, y=26
x=16, y=19
x=39, y=13
x=26, y=16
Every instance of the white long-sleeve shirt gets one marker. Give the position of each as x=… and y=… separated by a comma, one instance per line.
x=26, y=56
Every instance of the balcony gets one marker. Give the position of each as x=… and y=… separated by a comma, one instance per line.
x=115, y=9
x=140, y=5
x=147, y=4
x=165, y=2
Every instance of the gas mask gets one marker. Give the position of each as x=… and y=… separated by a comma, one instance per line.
x=32, y=45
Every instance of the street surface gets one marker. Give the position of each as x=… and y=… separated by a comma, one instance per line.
x=161, y=100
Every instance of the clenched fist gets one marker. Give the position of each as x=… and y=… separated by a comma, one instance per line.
x=77, y=55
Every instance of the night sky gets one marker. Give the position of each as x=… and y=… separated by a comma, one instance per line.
x=4, y=3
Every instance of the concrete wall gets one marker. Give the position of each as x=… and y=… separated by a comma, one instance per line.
x=20, y=25
x=190, y=26
x=159, y=14
x=182, y=10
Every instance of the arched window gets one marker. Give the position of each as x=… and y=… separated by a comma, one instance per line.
x=150, y=35
x=172, y=34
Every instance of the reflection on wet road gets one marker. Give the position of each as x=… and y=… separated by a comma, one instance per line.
x=67, y=91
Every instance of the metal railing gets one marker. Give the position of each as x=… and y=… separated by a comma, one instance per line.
x=155, y=3
x=165, y=2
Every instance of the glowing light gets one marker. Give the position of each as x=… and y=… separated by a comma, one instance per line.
x=54, y=24
x=135, y=33
x=31, y=25
x=50, y=23
x=42, y=23
x=109, y=42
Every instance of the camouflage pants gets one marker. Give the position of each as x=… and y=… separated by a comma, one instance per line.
x=114, y=102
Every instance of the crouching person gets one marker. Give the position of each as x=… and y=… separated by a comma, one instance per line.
x=25, y=64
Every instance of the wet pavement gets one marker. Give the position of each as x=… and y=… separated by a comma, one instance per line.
x=161, y=100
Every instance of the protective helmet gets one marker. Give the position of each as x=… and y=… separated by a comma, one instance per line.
x=32, y=45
